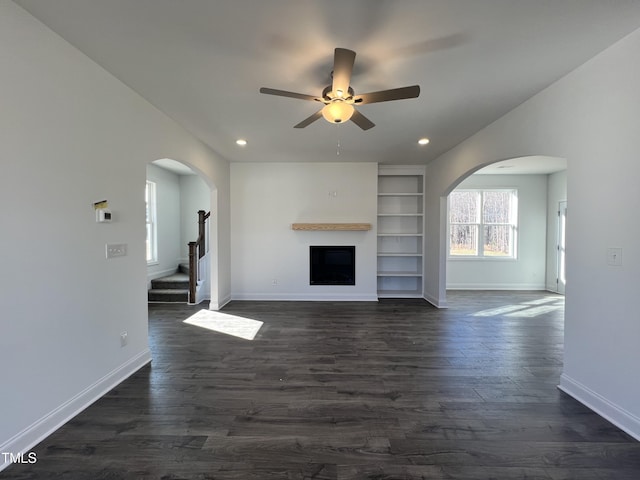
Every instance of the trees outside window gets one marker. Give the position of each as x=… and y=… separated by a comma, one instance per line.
x=483, y=223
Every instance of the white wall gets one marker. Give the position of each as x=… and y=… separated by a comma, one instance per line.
x=556, y=192
x=590, y=117
x=267, y=198
x=70, y=135
x=168, y=221
x=194, y=195
x=527, y=271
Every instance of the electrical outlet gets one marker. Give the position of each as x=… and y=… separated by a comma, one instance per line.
x=614, y=256
x=124, y=340
x=274, y=282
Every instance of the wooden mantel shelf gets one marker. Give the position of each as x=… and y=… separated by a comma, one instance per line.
x=331, y=226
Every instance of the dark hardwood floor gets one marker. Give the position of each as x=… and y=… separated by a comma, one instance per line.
x=388, y=390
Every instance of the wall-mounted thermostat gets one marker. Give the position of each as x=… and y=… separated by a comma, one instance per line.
x=103, y=215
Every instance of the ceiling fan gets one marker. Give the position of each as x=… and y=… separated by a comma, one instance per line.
x=339, y=98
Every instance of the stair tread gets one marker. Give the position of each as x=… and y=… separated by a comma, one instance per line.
x=168, y=295
x=177, y=281
x=174, y=277
x=169, y=290
x=169, y=284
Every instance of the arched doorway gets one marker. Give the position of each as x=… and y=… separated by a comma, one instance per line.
x=175, y=193
x=547, y=191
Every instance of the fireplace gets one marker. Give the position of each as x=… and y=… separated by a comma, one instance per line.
x=332, y=265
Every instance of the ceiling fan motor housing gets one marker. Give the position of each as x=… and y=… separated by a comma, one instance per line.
x=328, y=95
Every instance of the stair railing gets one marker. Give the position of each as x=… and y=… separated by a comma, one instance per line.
x=197, y=250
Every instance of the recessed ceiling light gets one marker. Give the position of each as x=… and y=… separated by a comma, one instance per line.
x=241, y=141
x=423, y=141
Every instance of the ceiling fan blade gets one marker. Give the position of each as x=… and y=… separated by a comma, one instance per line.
x=363, y=122
x=309, y=120
x=388, y=95
x=343, y=61
x=284, y=93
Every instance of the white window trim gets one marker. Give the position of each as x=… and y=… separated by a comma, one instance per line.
x=514, y=228
x=151, y=220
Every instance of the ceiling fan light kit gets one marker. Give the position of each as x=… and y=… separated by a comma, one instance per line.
x=337, y=112
x=339, y=98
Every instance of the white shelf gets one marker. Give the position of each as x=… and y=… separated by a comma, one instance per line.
x=400, y=207
x=399, y=294
x=399, y=274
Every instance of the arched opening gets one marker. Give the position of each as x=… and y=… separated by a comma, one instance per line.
x=501, y=228
x=175, y=192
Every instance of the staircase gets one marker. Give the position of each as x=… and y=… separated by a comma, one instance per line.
x=173, y=288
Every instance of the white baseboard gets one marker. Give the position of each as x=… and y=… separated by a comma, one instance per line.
x=221, y=303
x=42, y=428
x=436, y=302
x=621, y=418
x=305, y=297
x=203, y=293
x=497, y=286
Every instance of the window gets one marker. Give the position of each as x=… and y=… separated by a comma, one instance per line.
x=150, y=199
x=483, y=223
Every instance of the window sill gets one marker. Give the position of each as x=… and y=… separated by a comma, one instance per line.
x=461, y=258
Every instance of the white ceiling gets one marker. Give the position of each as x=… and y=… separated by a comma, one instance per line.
x=203, y=61
x=533, y=165
x=174, y=166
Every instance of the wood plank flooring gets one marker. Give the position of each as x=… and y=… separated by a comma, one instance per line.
x=389, y=390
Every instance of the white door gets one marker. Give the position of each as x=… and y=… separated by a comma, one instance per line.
x=562, y=223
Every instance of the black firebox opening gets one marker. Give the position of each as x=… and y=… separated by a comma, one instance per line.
x=332, y=265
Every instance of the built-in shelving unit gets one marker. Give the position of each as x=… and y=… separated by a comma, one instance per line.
x=400, y=231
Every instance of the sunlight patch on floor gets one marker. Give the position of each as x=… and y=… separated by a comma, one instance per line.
x=541, y=301
x=240, y=327
x=527, y=309
x=534, y=311
x=499, y=310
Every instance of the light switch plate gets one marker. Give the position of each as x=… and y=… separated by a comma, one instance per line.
x=116, y=250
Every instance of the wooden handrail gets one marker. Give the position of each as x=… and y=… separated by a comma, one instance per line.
x=197, y=250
